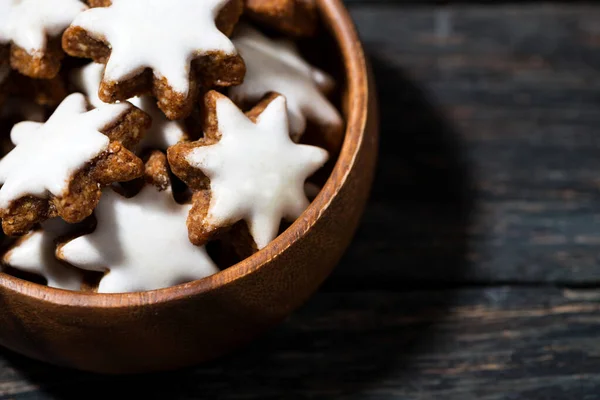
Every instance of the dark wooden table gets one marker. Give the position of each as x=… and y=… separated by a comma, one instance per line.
x=476, y=273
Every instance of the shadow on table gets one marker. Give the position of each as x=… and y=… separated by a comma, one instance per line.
x=414, y=231
x=343, y=343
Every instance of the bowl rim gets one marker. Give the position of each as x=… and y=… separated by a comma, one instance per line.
x=341, y=27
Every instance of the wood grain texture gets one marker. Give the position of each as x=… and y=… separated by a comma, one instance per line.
x=489, y=164
x=485, y=344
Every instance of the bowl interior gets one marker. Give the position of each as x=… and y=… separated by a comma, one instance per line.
x=352, y=77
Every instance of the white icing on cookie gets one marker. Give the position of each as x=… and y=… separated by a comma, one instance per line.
x=87, y=80
x=34, y=253
x=47, y=155
x=30, y=22
x=162, y=35
x=257, y=173
x=276, y=66
x=5, y=7
x=163, y=133
x=143, y=242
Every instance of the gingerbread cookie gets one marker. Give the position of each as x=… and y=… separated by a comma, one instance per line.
x=33, y=28
x=292, y=17
x=245, y=168
x=34, y=253
x=142, y=240
x=58, y=168
x=162, y=134
x=161, y=47
x=276, y=66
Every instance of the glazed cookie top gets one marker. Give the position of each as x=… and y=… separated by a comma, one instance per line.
x=34, y=253
x=141, y=240
x=48, y=154
x=87, y=80
x=163, y=132
x=276, y=66
x=256, y=172
x=28, y=23
x=162, y=35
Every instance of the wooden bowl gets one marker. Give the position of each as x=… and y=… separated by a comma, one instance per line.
x=184, y=325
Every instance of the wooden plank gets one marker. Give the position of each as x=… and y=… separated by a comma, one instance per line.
x=502, y=100
x=486, y=344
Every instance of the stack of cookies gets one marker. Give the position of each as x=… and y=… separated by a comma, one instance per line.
x=149, y=143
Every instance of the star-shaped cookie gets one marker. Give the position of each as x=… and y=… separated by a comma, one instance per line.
x=142, y=240
x=58, y=168
x=33, y=28
x=161, y=135
x=168, y=48
x=293, y=17
x=256, y=172
x=34, y=253
x=276, y=66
